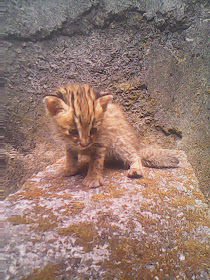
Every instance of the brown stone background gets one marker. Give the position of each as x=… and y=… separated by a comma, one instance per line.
x=152, y=55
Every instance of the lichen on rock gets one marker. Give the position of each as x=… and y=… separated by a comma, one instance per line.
x=151, y=228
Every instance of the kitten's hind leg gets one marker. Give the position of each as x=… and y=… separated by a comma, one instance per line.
x=136, y=169
x=124, y=147
x=129, y=155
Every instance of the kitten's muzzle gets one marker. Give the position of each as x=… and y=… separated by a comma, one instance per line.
x=84, y=143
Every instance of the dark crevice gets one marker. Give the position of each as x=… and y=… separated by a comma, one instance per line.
x=39, y=36
x=176, y=132
x=170, y=131
x=86, y=22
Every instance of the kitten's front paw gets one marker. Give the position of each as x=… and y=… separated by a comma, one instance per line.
x=135, y=173
x=93, y=181
x=66, y=172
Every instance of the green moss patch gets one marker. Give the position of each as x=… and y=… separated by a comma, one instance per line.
x=183, y=201
x=147, y=259
x=20, y=220
x=49, y=272
x=75, y=207
x=84, y=233
x=44, y=224
x=41, y=224
x=196, y=248
x=126, y=87
x=29, y=192
x=153, y=192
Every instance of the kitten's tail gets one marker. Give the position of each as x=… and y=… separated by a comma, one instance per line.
x=159, y=158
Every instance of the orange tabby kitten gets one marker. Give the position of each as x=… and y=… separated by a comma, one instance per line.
x=92, y=125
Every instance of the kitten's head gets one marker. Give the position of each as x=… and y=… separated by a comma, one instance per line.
x=78, y=113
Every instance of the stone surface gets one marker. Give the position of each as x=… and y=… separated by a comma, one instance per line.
x=152, y=55
x=39, y=19
x=156, y=227
x=52, y=16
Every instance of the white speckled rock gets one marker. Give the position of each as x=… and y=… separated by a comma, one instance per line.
x=150, y=228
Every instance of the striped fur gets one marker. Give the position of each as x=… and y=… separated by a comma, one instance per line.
x=92, y=125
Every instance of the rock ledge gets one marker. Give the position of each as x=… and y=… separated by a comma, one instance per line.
x=150, y=228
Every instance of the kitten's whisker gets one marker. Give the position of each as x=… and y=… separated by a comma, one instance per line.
x=98, y=145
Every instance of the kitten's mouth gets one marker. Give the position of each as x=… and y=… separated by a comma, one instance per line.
x=82, y=147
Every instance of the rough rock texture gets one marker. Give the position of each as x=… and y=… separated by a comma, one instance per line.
x=152, y=55
x=151, y=228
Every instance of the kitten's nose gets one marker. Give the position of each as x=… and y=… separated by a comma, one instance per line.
x=84, y=142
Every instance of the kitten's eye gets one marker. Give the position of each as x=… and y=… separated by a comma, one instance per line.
x=93, y=131
x=73, y=132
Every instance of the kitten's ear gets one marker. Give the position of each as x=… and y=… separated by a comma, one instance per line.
x=103, y=101
x=54, y=105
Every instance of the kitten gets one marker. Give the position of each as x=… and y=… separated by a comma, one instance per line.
x=92, y=125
